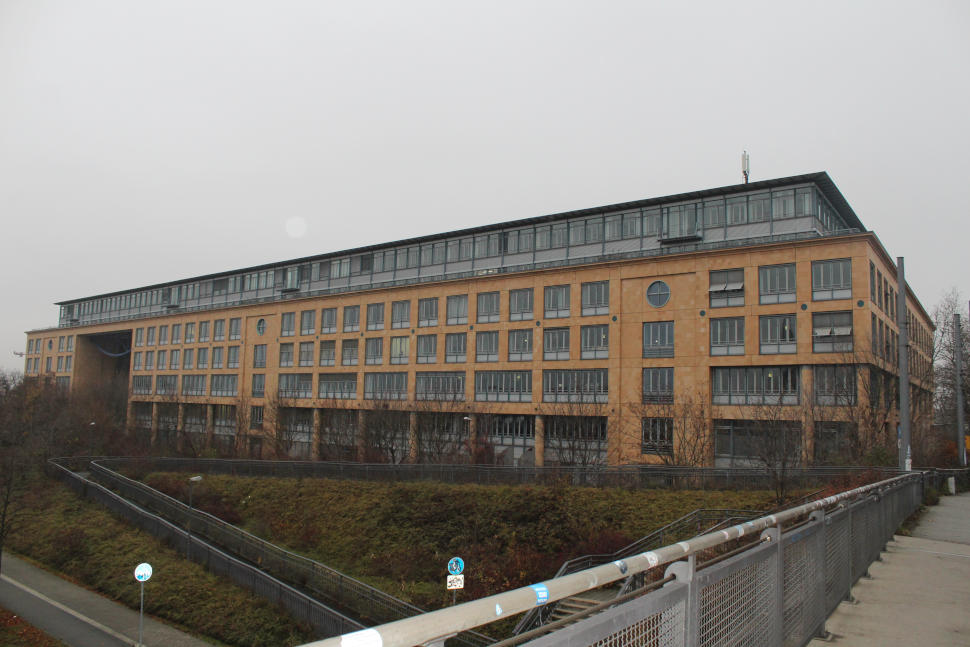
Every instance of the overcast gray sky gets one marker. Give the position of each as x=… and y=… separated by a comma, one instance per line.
x=143, y=142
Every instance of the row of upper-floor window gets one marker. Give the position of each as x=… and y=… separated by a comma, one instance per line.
x=65, y=344
x=174, y=359
x=883, y=294
x=831, y=279
x=568, y=385
x=159, y=335
x=65, y=363
x=777, y=334
x=834, y=384
x=672, y=221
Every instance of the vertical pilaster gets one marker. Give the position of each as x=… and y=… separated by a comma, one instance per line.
x=154, y=431
x=180, y=429
x=210, y=426
x=540, y=441
x=315, y=436
x=361, y=435
x=412, y=437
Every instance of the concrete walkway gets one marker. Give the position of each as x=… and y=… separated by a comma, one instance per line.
x=77, y=616
x=919, y=594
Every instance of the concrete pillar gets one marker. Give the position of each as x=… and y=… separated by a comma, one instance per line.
x=315, y=436
x=130, y=417
x=472, y=434
x=154, y=432
x=540, y=441
x=210, y=425
x=808, y=423
x=413, y=449
x=180, y=429
x=361, y=435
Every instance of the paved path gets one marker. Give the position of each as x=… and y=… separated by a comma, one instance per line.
x=919, y=594
x=77, y=616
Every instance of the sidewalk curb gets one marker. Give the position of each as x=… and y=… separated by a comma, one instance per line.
x=94, y=623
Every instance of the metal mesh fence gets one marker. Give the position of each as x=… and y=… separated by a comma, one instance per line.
x=324, y=620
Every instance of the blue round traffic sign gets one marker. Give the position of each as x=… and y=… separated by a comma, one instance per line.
x=456, y=565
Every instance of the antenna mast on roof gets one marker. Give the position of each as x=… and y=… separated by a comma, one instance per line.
x=745, y=167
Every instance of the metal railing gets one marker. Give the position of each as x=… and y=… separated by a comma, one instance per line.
x=324, y=620
x=775, y=591
x=367, y=603
x=630, y=476
x=690, y=525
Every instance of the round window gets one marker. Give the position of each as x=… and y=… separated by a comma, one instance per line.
x=658, y=294
x=260, y=326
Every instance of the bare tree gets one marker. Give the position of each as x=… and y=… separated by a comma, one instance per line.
x=386, y=432
x=576, y=433
x=441, y=430
x=678, y=433
x=338, y=432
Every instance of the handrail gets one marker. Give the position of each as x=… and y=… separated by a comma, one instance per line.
x=437, y=624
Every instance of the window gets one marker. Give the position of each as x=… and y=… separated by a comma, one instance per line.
x=594, y=342
x=831, y=332
x=776, y=283
x=203, y=331
x=834, y=440
x=680, y=221
x=167, y=385
x=60, y=344
x=328, y=320
x=70, y=340
x=349, y=352
x=727, y=336
x=455, y=347
x=714, y=214
x=162, y=335
x=439, y=386
x=162, y=357
x=60, y=364
x=374, y=351
x=555, y=344
x=259, y=356
x=139, y=337
x=188, y=359
x=385, y=386
x=427, y=349
x=658, y=339
x=457, y=307
x=375, y=316
x=351, y=318
x=556, y=301
x=219, y=330
x=872, y=282
x=520, y=304
x=255, y=418
x=296, y=385
x=202, y=360
x=486, y=346
x=400, y=349
x=232, y=357
x=658, y=385
x=141, y=384
x=190, y=333
x=832, y=279
x=308, y=322
x=658, y=293
x=328, y=351
x=503, y=386
x=235, y=329
x=259, y=385
x=338, y=386
x=401, y=314
x=757, y=441
x=575, y=385
x=782, y=205
x=737, y=210
x=286, y=355
x=754, y=385
x=150, y=336
x=149, y=360
x=193, y=385
x=136, y=361
x=727, y=288
x=777, y=334
x=306, y=353
x=835, y=385
x=657, y=436
x=428, y=312
x=520, y=345
x=488, y=307
x=176, y=333
x=596, y=298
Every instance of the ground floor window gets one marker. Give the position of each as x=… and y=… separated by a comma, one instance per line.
x=740, y=443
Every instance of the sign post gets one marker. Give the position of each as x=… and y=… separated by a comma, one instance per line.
x=143, y=572
x=455, y=579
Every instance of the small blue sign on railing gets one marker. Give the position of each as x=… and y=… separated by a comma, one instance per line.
x=456, y=565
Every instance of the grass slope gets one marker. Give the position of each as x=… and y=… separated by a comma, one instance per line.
x=84, y=542
x=17, y=632
x=399, y=536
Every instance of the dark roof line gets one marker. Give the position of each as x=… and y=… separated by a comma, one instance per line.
x=820, y=179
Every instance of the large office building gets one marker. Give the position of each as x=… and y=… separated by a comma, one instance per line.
x=723, y=326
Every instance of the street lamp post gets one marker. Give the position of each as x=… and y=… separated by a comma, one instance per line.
x=188, y=526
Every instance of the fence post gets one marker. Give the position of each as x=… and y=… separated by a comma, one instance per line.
x=685, y=571
x=778, y=604
x=821, y=553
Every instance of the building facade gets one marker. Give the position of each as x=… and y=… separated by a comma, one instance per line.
x=728, y=326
